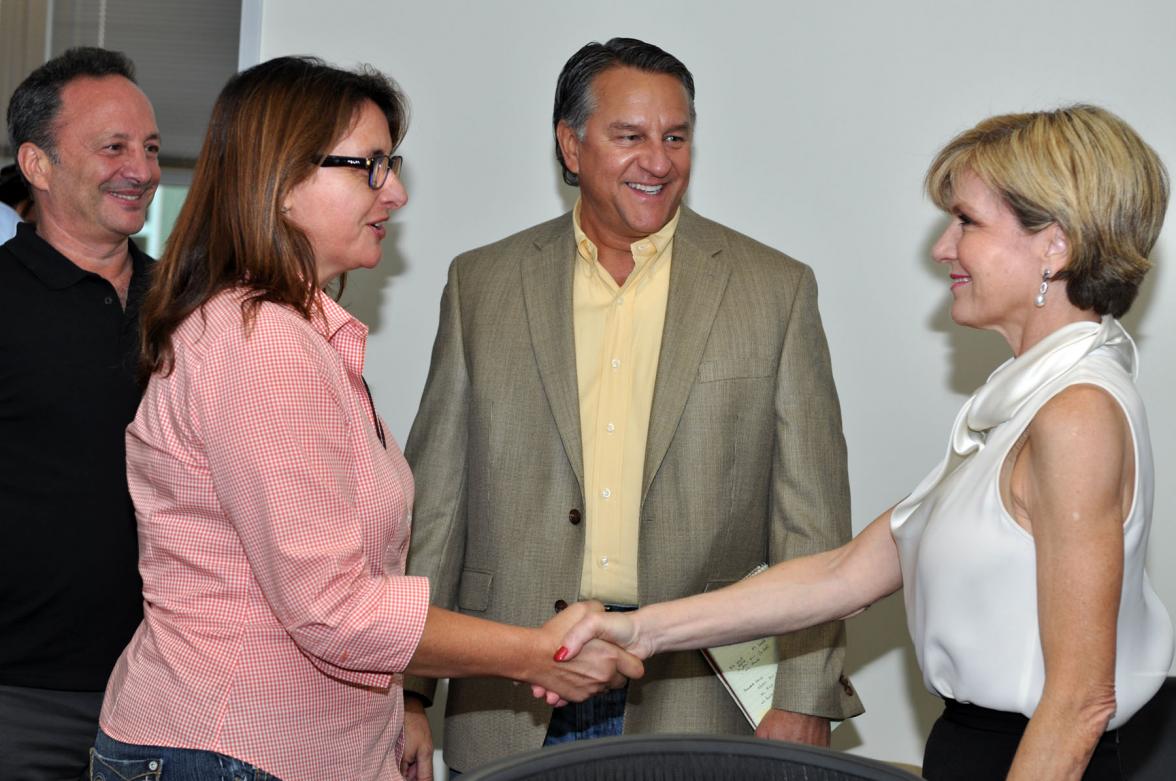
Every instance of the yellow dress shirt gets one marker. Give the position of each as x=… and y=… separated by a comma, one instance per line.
x=618, y=331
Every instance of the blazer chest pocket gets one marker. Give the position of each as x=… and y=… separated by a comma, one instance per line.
x=474, y=594
x=735, y=369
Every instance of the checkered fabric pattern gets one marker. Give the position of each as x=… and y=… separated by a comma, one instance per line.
x=273, y=528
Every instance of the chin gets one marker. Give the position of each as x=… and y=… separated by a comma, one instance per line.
x=650, y=226
x=128, y=221
x=961, y=318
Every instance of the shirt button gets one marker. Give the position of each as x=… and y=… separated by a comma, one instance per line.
x=574, y=517
x=606, y=493
x=616, y=363
x=610, y=428
x=604, y=562
x=620, y=300
x=108, y=300
x=560, y=605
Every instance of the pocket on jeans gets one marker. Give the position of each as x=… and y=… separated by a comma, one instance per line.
x=103, y=769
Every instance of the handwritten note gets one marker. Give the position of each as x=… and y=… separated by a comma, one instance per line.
x=748, y=671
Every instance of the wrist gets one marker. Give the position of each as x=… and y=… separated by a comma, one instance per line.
x=532, y=655
x=646, y=640
x=414, y=701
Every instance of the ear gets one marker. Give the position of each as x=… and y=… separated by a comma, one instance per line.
x=291, y=197
x=1057, y=249
x=35, y=164
x=569, y=146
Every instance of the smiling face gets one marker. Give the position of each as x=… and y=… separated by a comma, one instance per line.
x=634, y=159
x=343, y=217
x=97, y=190
x=995, y=264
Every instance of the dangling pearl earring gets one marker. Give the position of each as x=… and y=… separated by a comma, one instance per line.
x=1039, y=301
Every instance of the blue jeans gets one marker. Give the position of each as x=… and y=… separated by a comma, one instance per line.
x=602, y=716
x=113, y=760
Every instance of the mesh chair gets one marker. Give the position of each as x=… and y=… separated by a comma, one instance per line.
x=686, y=758
x=1147, y=743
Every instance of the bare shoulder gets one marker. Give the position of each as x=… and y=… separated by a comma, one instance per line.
x=1080, y=415
x=1079, y=457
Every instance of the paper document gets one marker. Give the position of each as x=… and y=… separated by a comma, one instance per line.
x=748, y=670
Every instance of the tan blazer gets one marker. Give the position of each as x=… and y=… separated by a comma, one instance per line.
x=745, y=462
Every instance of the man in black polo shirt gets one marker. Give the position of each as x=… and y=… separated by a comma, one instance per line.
x=86, y=142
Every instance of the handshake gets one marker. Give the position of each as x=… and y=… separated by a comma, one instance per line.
x=596, y=651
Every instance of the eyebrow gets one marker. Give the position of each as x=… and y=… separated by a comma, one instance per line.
x=631, y=126
x=363, y=154
x=127, y=136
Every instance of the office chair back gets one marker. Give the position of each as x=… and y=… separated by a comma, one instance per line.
x=686, y=758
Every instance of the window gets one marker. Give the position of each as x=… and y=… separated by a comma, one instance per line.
x=184, y=52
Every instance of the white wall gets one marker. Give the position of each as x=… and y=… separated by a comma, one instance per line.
x=816, y=123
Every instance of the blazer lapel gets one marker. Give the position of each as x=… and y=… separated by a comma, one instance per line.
x=547, y=296
x=698, y=277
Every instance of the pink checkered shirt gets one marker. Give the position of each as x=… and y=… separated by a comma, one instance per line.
x=273, y=528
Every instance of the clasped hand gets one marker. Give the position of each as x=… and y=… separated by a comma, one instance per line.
x=590, y=636
x=591, y=665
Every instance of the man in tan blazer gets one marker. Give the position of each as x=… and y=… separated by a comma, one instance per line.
x=630, y=403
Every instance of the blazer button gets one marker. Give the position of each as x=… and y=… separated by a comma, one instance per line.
x=846, y=685
x=559, y=605
x=574, y=517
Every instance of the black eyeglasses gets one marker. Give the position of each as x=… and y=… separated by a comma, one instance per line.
x=377, y=166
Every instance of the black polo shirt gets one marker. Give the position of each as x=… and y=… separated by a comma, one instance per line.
x=70, y=594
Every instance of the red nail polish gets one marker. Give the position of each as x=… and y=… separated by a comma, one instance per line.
x=561, y=654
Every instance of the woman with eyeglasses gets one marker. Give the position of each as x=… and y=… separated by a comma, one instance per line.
x=1021, y=556
x=273, y=508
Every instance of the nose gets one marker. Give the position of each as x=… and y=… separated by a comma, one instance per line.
x=393, y=193
x=944, y=248
x=656, y=160
x=141, y=167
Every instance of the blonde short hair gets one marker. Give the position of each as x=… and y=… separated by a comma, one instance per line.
x=1082, y=168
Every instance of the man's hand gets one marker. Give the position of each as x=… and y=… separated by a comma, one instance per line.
x=794, y=727
x=596, y=666
x=417, y=763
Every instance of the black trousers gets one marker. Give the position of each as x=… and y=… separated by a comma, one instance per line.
x=45, y=734
x=970, y=743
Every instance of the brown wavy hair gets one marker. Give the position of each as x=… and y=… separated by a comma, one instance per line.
x=269, y=126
